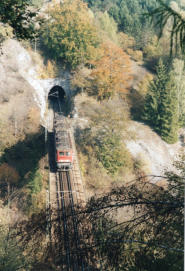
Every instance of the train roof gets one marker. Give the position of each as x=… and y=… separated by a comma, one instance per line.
x=62, y=139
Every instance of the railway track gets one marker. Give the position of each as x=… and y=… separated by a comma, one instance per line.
x=69, y=258
x=72, y=260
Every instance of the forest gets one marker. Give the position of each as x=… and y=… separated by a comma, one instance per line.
x=130, y=222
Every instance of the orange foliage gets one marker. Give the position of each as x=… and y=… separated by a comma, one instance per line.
x=8, y=174
x=111, y=73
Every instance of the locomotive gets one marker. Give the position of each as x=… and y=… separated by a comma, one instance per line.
x=63, y=144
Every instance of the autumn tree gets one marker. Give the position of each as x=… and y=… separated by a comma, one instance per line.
x=111, y=73
x=69, y=34
x=8, y=176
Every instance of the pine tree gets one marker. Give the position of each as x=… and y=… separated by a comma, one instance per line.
x=168, y=125
x=152, y=100
x=161, y=105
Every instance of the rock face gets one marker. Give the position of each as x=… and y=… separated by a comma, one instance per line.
x=148, y=146
x=19, y=74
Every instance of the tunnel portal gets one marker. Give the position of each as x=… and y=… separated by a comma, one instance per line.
x=57, y=92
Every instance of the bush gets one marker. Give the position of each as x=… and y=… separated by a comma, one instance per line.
x=136, y=55
x=126, y=41
x=6, y=32
x=48, y=71
x=111, y=152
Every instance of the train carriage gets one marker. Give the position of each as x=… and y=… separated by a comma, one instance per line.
x=63, y=145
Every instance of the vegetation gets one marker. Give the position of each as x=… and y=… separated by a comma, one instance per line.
x=165, y=13
x=11, y=254
x=69, y=35
x=18, y=15
x=111, y=72
x=6, y=31
x=137, y=225
x=178, y=74
x=160, y=109
x=129, y=17
x=151, y=230
x=8, y=177
x=107, y=26
x=101, y=145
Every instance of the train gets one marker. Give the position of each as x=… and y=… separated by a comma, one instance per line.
x=63, y=144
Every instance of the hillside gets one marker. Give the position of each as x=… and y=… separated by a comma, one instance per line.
x=123, y=96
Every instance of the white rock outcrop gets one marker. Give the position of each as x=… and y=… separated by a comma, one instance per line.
x=148, y=146
x=15, y=59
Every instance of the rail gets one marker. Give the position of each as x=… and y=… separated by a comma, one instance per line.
x=69, y=193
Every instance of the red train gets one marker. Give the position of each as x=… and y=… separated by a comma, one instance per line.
x=63, y=144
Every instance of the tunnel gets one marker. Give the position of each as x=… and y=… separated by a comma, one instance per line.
x=57, y=92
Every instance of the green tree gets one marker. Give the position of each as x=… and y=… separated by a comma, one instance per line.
x=161, y=107
x=70, y=34
x=108, y=25
x=20, y=16
x=11, y=254
x=156, y=87
x=168, y=111
x=128, y=14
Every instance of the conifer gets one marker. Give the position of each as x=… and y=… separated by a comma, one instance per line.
x=168, y=125
x=152, y=100
x=161, y=105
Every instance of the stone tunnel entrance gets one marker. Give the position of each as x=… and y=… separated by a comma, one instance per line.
x=57, y=92
x=58, y=100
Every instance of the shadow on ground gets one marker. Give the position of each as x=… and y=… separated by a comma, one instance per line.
x=25, y=155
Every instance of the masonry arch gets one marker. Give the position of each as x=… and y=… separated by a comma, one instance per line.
x=57, y=92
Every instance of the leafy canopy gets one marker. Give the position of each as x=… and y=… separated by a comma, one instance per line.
x=20, y=16
x=128, y=14
x=111, y=72
x=70, y=34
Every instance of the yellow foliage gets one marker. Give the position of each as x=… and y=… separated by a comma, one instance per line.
x=144, y=83
x=107, y=27
x=70, y=34
x=111, y=73
x=79, y=78
x=153, y=49
x=48, y=71
x=136, y=55
x=125, y=41
x=6, y=32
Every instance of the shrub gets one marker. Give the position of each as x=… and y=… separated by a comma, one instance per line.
x=111, y=152
x=135, y=55
x=6, y=32
x=48, y=71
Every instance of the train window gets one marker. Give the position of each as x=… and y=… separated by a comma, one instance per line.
x=61, y=153
x=67, y=153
